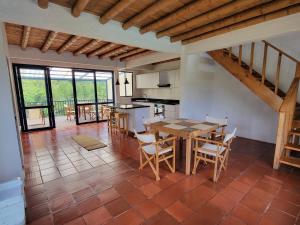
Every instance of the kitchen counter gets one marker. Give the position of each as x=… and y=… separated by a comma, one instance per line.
x=157, y=101
x=126, y=106
x=137, y=113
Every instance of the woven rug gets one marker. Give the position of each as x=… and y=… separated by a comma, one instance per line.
x=87, y=142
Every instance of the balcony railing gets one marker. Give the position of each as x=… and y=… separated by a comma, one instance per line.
x=59, y=106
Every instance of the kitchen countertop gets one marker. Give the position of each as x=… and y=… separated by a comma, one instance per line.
x=126, y=106
x=158, y=101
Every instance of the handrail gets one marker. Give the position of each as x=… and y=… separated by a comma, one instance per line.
x=290, y=96
x=283, y=53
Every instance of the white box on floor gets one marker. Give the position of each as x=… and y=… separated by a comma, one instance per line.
x=12, y=204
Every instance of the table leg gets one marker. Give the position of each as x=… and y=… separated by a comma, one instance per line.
x=188, y=156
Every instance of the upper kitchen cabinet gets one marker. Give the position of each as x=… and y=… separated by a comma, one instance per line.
x=158, y=79
x=147, y=80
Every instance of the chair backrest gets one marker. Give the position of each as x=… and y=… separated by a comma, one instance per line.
x=153, y=120
x=145, y=138
x=228, y=137
x=34, y=114
x=221, y=122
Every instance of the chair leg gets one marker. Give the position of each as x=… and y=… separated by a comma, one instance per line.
x=174, y=161
x=215, y=170
x=157, y=168
x=141, y=160
x=195, y=163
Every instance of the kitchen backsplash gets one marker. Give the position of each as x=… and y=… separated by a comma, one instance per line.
x=162, y=93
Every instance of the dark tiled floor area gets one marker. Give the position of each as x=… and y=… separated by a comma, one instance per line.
x=65, y=184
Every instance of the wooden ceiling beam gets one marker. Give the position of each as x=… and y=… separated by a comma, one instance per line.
x=67, y=44
x=25, y=37
x=115, y=10
x=145, y=52
x=87, y=47
x=79, y=6
x=116, y=51
x=103, y=48
x=148, y=11
x=211, y=16
x=277, y=14
x=43, y=4
x=248, y=14
x=51, y=36
x=166, y=61
x=132, y=52
x=196, y=7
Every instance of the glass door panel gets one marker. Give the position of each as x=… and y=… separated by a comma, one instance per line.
x=35, y=99
x=85, y=96
x=104, y=84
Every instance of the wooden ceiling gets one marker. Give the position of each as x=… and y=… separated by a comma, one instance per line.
x=45, y=40
x=182, y=20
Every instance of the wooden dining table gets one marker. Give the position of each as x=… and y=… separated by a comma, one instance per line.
x=186, y=129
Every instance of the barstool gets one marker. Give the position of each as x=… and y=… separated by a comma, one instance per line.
x=118, y=121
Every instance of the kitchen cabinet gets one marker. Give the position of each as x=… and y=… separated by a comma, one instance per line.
x=147, y=80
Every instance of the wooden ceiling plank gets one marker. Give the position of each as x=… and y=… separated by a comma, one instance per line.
x=51, y=36
x=116, y=51
x=25, y=37
x=196, y=7
x=79, y=6
x=277, y=14
x=132, y=52
x=148, y=11
x=137, y=55
x=87, y=47
x=211, y=16
x=251, y=13
x=103, y=48
x=115, y=10
x=67, y=44
x=43, y=4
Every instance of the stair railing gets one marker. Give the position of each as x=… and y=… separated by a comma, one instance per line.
x=286, y=117
x=267, y=45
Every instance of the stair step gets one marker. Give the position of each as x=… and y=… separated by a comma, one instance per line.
x=295, y=132
x=290, y=161
x=296, y=123
x=293, y=147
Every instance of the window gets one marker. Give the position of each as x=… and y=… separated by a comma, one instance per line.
x=125, y=89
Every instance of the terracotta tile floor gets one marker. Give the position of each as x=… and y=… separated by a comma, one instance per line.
x=66, y=184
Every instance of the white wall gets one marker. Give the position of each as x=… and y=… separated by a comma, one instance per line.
x=207, y=88
x=10, y=155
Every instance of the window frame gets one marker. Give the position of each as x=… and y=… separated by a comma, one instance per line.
x=125, y=85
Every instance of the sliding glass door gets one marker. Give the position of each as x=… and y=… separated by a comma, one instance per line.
x=34, y=97
x=85, y=96
x=50, y=96
x=105, y=94
x=92, y=89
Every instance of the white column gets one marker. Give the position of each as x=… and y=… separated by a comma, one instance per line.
x=10, y=154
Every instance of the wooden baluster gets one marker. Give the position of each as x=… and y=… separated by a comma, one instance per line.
x=297, y=73
x=251, y=58
x=230, y=52
x=264, y=64
x=240, y=54
x=278, y=72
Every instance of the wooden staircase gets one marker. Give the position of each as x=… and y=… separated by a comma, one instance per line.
x=288, y=134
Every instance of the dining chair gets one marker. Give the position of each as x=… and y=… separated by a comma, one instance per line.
x=36, y=116
x=69, y=112
x=154, y=152
x=221, y=122
x=212, y=151
x=155, y=119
